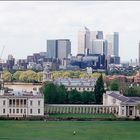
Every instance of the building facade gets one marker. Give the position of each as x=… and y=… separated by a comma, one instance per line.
x=21, y=104
x=113, y=44
x=59, y=48
x=77, y=84
x=128, y=106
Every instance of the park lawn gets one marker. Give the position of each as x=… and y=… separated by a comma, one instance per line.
x=63, y=130
x=85, y=116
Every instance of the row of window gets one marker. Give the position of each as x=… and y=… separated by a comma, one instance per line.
x=19, y=111
x=31, y=103
x=81, y=88
x=22, y=102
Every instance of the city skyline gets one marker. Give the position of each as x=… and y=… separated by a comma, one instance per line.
x=25, y=26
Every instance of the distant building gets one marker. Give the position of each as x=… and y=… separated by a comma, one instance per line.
x=60, y=48
x=51, y=48
x=99, y=47
x=84, y=44
x=77, y=83
x=113, y=44
x=10, y=62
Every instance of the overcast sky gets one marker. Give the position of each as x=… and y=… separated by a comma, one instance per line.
x=25, y=26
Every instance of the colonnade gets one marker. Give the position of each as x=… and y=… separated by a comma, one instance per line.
x=80, y=109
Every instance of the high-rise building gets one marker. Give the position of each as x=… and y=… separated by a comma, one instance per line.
x=63, y=48
x=99, y=46
x=96, y=35
x=113, y=44
x=84, y=44
x=59, y=48
x=51, y=48
x=10, y=62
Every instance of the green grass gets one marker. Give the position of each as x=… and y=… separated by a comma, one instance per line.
x=82, y=116
x=63, y=130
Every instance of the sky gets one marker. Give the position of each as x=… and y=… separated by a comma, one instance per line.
x=26, y=25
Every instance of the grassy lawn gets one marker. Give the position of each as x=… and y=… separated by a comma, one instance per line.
x=82, y=116
x=63, y=130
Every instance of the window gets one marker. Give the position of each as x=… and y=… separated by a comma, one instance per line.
x=38, y=102
x=10, y=102
x=10, y=111
x=24, y=110
x=13, y=110
x=122, y=112
x=17, y=110
x=30, y=111
x=31, y=103
x=24, y=102
x=38, y=111
x=87, y=88
x=21, y=111
x=3, y=111
x=79, y=88
x=3, y=102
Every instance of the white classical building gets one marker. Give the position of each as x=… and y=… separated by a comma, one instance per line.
x=79, y=84
x=128, y=106
x=21, y=104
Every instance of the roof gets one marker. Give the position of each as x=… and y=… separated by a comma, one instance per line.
x=119, y=96
x=124, y=99
x=76, y=82
x=21, y=94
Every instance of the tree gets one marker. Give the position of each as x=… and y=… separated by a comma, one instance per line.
x=7, y=76
x=114, y=86
x=39, y=76
x=16, y=75
x=74, y=96
x=99, y=90
x=50, y=93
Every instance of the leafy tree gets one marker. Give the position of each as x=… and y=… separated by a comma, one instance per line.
x=74, y=96
x=99, y=90
x=50, y=93
x=114, y=86
x=7, y=76
x=87, y=97
x=16, y=75
x=39, y=76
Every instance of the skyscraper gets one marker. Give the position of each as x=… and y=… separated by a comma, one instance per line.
x=59, y=48
x=84, y=44
x=113, y=44
x=63, y=48
x=51, y=48
x=99, y=46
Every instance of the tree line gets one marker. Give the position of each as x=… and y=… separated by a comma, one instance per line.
x=55, y=94
x=23, y=76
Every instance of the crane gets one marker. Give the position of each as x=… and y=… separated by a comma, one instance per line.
x=1, y=54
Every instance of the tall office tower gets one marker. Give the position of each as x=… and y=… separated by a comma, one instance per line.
x=113, y=44
x=84, y=44
x=139, y=53
x=51, y=48
x=96, y=35
x=59, y=48
x=10, y=62
x=63, y=48
x=99, y=46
